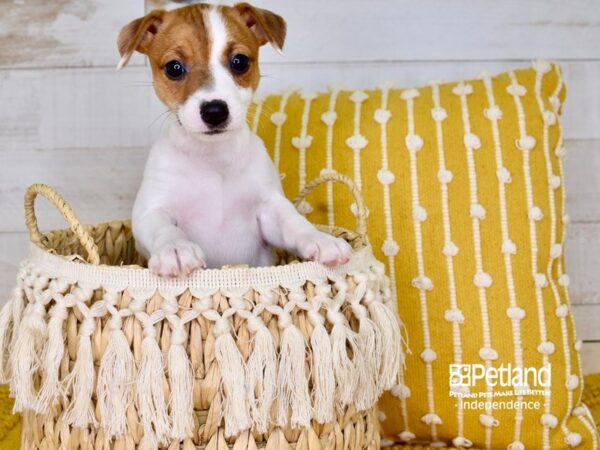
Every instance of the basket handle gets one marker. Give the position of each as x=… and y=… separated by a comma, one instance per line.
x=361, y=211
x=65, y=210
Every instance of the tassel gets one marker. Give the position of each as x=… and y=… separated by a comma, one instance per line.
x=6, y=332
x=292, y=382
x=149, y=440
x=370, y=354
x=55, y=350
x=18, y=307
x=80, y=382
x=231, y=366
x=24, y=359
x=181, y=380
x=152, y=406
x=322, y=368
x=344, y=368
x=391, y=340
x=261, y=374
x=115, y=381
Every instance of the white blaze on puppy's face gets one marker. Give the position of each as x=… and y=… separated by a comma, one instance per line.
x=204, y=61
x=222, y=88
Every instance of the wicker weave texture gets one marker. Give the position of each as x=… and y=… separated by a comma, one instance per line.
x=110, y=357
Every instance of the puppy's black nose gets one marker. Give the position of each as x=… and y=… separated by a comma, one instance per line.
x=214, y=113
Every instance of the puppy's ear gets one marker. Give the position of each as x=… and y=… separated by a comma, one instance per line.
x=266, y=25
x=138, y=35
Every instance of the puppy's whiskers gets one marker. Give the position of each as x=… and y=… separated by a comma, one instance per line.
x=139, y=84
x=265, y=115
x=164, y=115
x=272, y=77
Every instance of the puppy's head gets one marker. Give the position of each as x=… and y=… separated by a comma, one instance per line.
x=204, y=60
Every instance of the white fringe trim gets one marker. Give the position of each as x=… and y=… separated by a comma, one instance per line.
x=344, y=368
x=261, y=374
x=6, y=333
x=53, y=354
x=181, y=381
x=116, y=379
x=24, y=359
x=80, y=382
x=152, y=406
x=236, y=411
x=322, y=368
x=276, y=386
x=292, y=382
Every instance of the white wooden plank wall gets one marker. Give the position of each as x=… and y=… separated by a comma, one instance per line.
x=69, y=119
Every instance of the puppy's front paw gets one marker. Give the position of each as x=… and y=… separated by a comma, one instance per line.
x=326, y=249
x=177, y=258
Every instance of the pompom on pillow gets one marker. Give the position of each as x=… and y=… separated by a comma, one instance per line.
x=464, y=183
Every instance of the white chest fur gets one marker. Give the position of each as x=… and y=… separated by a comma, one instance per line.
x=213, y=193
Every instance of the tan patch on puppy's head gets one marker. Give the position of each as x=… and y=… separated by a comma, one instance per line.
x=266, y=26
x=178, y=35
x=248, y=29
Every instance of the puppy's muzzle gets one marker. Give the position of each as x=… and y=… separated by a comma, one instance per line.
x=214, y=113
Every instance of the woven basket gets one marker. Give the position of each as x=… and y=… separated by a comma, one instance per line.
x=103, y=354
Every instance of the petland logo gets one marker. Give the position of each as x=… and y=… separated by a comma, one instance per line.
x=521, y=379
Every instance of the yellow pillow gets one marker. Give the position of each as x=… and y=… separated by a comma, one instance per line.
x=464, y=183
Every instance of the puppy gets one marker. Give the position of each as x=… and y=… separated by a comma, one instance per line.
x=210, y=195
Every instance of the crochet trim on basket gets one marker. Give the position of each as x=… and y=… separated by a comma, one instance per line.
x=52, y=292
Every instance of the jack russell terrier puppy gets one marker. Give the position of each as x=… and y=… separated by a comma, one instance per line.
x=210, y=195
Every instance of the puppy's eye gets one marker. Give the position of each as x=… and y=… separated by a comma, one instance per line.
x=175, y=70
x=239, y=64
